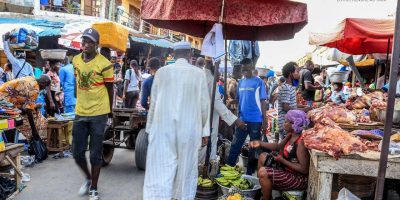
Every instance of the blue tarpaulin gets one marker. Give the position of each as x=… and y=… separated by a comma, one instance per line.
x=163, y=43
x=50, y=28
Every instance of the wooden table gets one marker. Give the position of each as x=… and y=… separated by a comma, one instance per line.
x=323, y=166
x=12, y=155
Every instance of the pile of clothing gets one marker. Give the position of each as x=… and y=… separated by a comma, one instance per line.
x=8, y=111
x=7, y=187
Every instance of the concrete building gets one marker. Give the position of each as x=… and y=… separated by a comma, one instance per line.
x=125, y=12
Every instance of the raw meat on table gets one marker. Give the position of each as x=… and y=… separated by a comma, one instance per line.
x=331, y=139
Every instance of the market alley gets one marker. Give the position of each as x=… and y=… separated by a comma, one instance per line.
x=60, y=179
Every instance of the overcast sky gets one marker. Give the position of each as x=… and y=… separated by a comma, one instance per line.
x=323, y=15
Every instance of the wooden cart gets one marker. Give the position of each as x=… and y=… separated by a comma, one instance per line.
x=126, y=127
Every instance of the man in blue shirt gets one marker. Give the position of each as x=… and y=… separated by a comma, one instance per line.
x=251, y=96
x=67, y=82
x=154, y=64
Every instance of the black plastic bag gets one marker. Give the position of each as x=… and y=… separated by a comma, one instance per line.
x=38, y=148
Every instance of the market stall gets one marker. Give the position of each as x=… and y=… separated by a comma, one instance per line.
x=201, y=17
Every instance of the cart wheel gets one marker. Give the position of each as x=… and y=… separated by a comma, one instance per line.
x=141, y=149
x=130, y=143
x=108, y=149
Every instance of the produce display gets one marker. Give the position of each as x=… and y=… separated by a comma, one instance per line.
x=231, y=176
x=367, y=100
x=338, y=114
x=330, y=138
x=204, y=182
x=234, y=194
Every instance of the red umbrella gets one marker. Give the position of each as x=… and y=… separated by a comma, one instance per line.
x=358, y=36
x=243, y=19
x=71, y=41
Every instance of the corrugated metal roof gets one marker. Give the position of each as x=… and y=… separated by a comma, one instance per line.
x=50, y=28
x=163, y=43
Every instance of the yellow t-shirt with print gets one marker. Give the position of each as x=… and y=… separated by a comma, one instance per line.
x=92, y=96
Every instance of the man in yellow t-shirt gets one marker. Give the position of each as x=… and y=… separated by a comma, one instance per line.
x=94, y=85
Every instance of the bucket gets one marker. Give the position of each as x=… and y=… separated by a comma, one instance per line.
x=207, y=193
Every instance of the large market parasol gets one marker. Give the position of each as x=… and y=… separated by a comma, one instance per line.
x=358, y=36
x=242, y=19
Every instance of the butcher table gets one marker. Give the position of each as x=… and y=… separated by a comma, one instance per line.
x=323, y=166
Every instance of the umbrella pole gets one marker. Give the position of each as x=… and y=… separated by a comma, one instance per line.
x=390, y=107
x=387, y=61
x=226, y=72
x=206, y=166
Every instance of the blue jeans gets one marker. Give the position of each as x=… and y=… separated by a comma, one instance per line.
x=254, y=130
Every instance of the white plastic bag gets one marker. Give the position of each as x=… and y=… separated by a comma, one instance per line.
x=345, y=194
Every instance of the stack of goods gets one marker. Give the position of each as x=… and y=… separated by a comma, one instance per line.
x=232, y=176
x=326, y=136
x=9, y=116
x=22, y=38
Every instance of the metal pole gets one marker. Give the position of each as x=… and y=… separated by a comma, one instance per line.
x=390, y=107
x=207, y=161
x=206, y=166
x=387, y=62
x=226, y=72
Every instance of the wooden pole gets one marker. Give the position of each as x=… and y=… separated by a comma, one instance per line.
x=390, y=107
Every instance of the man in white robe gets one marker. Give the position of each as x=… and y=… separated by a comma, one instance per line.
x=177, y=124
x=220, y=110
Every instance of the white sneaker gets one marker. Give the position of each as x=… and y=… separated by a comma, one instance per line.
x=94, y=195
x=84, y=190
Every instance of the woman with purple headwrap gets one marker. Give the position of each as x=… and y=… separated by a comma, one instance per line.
x=291, y=157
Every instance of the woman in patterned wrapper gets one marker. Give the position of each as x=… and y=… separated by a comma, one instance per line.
x=291, y=158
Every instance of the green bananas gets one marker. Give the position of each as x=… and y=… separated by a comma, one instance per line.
x=223, y=181
x=231, y=176
x=242, y=184
x=204, y=182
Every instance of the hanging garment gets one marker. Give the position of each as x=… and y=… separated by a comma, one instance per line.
x=213, y=44
x=177, y=120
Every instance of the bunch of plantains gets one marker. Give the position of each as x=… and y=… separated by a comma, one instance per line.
x=231, y=176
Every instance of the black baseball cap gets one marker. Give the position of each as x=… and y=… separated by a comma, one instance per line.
x=92, y=34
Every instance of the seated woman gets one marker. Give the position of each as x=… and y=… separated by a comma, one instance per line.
x=293, y=158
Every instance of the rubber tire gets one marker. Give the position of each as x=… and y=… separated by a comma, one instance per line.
x=130, y=143
x=141, y=149
x=108, y=151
